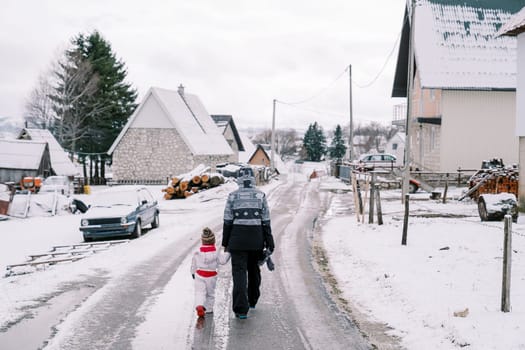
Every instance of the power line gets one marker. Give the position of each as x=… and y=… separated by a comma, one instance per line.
x=319, y=93
x=382, y=68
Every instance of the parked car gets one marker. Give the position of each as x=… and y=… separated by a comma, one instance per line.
x=60, y=184
x=121, y=212
x=373, y=161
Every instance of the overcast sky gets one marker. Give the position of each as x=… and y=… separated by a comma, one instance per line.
x=236, y=55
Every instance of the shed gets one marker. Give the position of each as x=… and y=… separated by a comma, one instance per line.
x=60, y=162
x=20, y=158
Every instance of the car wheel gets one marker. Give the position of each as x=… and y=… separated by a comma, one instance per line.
x=482, y=210
x=155, y=223
x=137, y=232
x=412, y=188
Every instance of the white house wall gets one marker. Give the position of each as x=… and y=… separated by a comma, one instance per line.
x=477, y=125
x=152, y=116
x=520, y=93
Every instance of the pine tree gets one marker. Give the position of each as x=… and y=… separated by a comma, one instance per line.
x=91, y=100
x=337, y=147
x=314, y=142
x=117, y=96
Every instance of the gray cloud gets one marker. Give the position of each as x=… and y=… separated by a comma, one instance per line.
x=236, y=55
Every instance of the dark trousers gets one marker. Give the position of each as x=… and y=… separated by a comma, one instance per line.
x=246, y=279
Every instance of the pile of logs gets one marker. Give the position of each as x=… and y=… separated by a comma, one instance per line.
x=185, y=185
x=494, y=180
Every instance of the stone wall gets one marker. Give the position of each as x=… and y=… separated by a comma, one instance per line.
x=147, y=155
x=150, y=155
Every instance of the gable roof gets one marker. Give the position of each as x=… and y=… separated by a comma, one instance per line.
x=456, y=46
x=60, y=162
x=189, y=117
x=259, y=147
x=515, y=26
x=249, y=149
x=222, y=121
x=21, y=154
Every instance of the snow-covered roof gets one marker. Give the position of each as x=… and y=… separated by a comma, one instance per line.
x=457, y=47
x=189, y=117
x=515, y=25
x=21, y=154
x=59, y=160
x=222, y=121
x=249, y=149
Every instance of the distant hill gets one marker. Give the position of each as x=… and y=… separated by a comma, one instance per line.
x=10, y=128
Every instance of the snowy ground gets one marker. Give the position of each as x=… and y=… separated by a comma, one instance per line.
x=448, y=265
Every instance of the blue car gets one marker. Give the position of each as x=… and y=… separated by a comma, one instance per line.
x=119, y=212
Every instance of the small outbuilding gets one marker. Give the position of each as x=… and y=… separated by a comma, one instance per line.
x=60, y=162
x=20, y=158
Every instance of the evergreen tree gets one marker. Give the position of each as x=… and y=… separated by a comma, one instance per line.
x=314, y=142
x=117, y=96
x=337, y=147
x=92, y=102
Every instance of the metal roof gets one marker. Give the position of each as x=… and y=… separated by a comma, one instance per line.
x=456, y=46
x=515, y=26
x=21, y=154
x=60, y=162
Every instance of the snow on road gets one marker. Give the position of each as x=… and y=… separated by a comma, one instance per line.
x=452, y=262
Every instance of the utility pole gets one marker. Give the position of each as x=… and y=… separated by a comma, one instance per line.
x=351, y=136
x=410, y=84
x=272, y=154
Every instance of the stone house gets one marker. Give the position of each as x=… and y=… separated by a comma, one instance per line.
x=170, y=133
x=464, y=83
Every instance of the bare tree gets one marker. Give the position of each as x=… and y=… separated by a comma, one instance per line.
x=76, y=84
x=39, y=107
x=285, y=140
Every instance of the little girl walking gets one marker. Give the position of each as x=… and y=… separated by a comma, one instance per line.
x=204, y=271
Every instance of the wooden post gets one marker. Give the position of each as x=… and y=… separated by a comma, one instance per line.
x=405, y=221
x=372, y=197
x=356, y=196
x=445, y=190
x=507, y=258
x=378, y=205
x=365, y=190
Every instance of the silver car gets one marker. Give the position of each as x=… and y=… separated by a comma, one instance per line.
x=120, y=212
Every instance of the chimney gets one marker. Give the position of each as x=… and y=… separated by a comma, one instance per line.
x=180, y=90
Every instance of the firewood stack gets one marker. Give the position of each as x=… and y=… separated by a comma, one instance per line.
x=185, y=185
x=494, y=180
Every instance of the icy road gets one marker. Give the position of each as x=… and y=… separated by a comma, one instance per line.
x=147, y=302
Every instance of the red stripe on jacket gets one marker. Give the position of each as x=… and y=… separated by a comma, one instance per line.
x=206, y=273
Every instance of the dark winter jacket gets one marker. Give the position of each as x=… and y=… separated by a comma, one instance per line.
x=247, y=220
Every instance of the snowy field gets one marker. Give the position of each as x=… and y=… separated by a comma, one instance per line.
x=449, y=264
